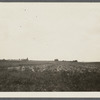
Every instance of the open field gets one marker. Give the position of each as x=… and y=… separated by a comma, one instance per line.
x=49, y=76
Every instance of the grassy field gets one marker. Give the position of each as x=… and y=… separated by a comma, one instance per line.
x=49, y=76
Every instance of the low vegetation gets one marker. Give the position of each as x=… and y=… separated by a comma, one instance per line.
x=49, y=76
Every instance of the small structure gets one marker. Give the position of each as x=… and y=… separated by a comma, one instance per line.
x=56, y=60
x=24, y=59
x=75, y=61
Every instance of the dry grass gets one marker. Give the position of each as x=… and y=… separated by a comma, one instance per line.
x=49, y=76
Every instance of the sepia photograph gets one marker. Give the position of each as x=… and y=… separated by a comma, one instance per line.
x=49, y=47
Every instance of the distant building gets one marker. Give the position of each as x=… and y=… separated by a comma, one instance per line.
x=75, y=61
x=56, y=60
x=24, y=59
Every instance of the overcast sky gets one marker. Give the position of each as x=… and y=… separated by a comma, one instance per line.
x=45, y=31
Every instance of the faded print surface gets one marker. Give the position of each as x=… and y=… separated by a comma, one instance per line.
x=49, y=47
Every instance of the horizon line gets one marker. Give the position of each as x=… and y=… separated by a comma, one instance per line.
x=21, y=59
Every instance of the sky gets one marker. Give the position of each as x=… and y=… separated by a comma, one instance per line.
x=46, y=31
